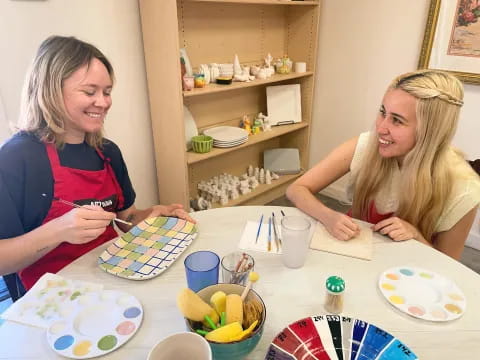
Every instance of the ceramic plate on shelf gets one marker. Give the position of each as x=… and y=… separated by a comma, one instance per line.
x=190, y=127
x=223, y=145
x=226, y=133
x=422, y=293
x=326, y=337
x=148, y=249
x=101, y=323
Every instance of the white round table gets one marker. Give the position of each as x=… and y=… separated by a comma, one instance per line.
x=289, y=294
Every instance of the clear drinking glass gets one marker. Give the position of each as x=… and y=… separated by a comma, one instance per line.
x=236, y=266
x=295, y=240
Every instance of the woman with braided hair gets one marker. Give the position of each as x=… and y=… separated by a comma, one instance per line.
x=406, y=178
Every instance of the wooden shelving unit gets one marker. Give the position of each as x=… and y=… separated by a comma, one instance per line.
x=214, y=31
x=213, y=88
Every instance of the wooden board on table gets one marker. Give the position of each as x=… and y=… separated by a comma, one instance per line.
x=359, y=247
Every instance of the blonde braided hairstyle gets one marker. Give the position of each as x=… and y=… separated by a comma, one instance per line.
x=426, y=179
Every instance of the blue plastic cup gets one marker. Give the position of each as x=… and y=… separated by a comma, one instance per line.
x=201, y=268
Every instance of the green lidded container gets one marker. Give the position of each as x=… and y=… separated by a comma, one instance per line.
x=335, y=284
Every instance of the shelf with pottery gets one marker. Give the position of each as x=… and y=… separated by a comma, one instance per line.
x=264, y=2
x=215, y=88
x=193, y=157
x=215, y=31
x=255, y=197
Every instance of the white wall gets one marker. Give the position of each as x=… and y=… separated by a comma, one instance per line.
x=114, y=27
x=363, y=45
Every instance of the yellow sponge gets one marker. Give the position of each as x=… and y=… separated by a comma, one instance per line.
x=225, y=333
x=193, y=307
x=218, y=301
x=234, y=308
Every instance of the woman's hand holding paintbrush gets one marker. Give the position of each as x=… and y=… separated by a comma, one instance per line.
x=81, y=224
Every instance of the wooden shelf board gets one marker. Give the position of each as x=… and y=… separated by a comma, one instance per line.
x=214, y=88
x=264, y=2
x=260, y=189
x=193, y=157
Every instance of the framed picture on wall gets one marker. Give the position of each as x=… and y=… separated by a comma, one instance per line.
x=452, y=39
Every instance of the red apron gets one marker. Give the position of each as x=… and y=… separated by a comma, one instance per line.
x=81, y=187
x=373, y=216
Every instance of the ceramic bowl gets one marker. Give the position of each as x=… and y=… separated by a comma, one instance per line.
x=236, y=350
x=181, y=346
x=202, y=143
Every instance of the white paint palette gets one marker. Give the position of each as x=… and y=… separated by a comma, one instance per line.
x=422, y=293
x=100, y=323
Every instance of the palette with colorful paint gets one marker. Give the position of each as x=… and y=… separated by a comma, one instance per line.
x=103, y=321
x=422, y=293
x=326, y=337
x=148, y=249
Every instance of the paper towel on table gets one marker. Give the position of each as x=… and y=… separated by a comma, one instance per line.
x=359, y=247
x=247, y=241
x=50, y=299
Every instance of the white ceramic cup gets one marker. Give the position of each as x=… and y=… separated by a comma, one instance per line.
x=300, y=67
x=181, y=346
x=295, y=240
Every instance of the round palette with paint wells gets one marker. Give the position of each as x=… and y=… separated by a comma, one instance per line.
x=326, y=337
x=422, y=293
x=101, y=323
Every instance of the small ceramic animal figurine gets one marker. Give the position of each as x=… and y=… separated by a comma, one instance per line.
x=261, y=177
x=246, y=124
x=268, y=177
x=257, y=127
x=268, y=60
x=264, y=121
x=256, y=173
x=254, y=70
x=262, y=74
x=253, y=182
x=250, y=170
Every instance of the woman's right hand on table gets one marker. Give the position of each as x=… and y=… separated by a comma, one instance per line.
x=81, y=225
x=340, y=226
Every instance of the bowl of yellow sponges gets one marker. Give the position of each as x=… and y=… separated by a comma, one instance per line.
x=231, y=325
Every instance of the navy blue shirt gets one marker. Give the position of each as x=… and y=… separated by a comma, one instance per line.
x=26, y=174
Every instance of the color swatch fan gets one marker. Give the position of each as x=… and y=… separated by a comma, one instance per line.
x=328, y=337
x=422, y=293
x=148, y=249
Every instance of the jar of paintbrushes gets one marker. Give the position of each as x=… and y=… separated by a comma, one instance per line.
x=236, y=266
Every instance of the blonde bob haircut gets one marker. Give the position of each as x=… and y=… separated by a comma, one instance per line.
x=42, y=109
x=426, y=178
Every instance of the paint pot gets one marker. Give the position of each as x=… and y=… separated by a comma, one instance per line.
x=300, y=67
x=181, y=346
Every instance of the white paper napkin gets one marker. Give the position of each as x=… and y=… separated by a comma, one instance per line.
x=247, y=241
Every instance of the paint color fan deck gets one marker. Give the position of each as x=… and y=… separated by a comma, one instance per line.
x=422, y=293
x=100, y=323
x=328, y=337
x=148, y=249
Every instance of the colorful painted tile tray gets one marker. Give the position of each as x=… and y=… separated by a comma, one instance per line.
x=101, y=323
x=328, y=337
x=422, y=293
x=148, y=249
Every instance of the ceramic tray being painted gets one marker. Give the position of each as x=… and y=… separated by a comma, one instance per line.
x=422, y=293
x=332, y=337
x=148, y=249
x=100, y=322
